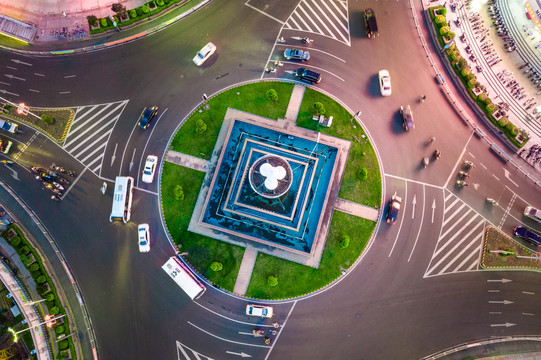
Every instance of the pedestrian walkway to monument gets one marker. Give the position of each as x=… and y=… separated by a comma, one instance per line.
x=188, y=161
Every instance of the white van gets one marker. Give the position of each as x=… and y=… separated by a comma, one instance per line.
x=532, y=213
x=9, y=127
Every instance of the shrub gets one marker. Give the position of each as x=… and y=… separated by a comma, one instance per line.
x=55, y=310
x=364, y=174
x=50, y=297
x=462, y=63
x=179, y=192
x=63, y=344
x=318, y=109
x=440, y=20
x=139, y=11
x=200, y=126
x=515, y=131
x=15, y=241
x=344, y=242
x=145, y=9
x=491, y=107
x=42, y=289
x=442, y=11
x=510, y=127
x=118, y=8
x=103, y=22
x=444, y=30
x=271, y=95
x=466, y=71
x=34, y=267
x=160, y=3
x=59, y=329
x=449, y=35
x=47, y=119
x=133, y=14
x=25, y=250
x=216, y=266
x=482, y=97
x=472, y=83
x=272, y=281
x=487, y=101
x=8, y=107
x=41, y=279
x=92, y=20
x=503, y=121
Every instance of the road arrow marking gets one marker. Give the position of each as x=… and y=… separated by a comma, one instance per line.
x=14, y=77
x=506, y=325
x=238, y=354
x=507, y=175
x=114, y=155
x=414, y=202
x=132, y=157
x=13, y=173
x=501, y=280
x=20, y=62
x=505, y=302
x=433, y=208
x=7, y=92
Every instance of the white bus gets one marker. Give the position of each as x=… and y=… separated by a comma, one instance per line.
x=122, y=199
x=184, y=278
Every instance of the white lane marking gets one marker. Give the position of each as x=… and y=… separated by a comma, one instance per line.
x=504, y=302
x=414, y=181
x=508, y=176
x=264, y=13
x=7, y=92
x=64, y=92
x=318, y=68
x=483, y=165
x=69, y=76
x=528, y=314
x=5, y=83
x=279, y=333
x=311, y=51
x=226, y=340
x=225, y=317
x=413, y=203
x=146, y=144
x=494, y=291
x=433, y=210
x=458, y=161
x=33, y=90
x=528, y=293
x=495, y=177
x=495, y=313
x=422, y=217
x=38, y=74
x=11, y=67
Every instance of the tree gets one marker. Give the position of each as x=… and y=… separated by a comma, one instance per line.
x=92, y=20
x=318, y=109
x=200, y=126
x=272, y=281
x=364, y=174
x=47, y=119
x=118, y=8
x=271, y=95
x=179, y=193
x=216, y=266
x=344, y=242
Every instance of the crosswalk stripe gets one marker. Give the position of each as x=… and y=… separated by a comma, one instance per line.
x=95, y=170
x=464, y=249
x=344, y=15
x=311, y=19
x=79, y=117
x=479, y=237
x=331, y=23
x=83, y=142
x=91, y=127
x=449, y=195
x=475, y=263
x=92, y=146
x=453, y=214
x=457, y=232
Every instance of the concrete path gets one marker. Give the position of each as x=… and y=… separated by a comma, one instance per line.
x=245, y=271
x=188, y=161
x=356, y=209
x=295, y=103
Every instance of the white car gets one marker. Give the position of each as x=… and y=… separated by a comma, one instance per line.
x=204, y=54
x=144, y=237
x=384, y=83
x=258, y=310
x=150, y=169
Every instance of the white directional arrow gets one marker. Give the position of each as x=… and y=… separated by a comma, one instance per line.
x=505, y=302
x=414, y=202
x=507, y=175
x=13, y=173
x=241, y=354
x=433, y=208
x=500, y=280
x=132, y=157
x=14, y=77
x=506, y=325
x=7, y=92
x=114, y=155
x=20, y=62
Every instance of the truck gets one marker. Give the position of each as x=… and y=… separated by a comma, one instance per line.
x=9, y=127
x=371, y=23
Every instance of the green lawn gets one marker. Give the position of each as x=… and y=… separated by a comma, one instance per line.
x=202, y=250
x=250, y=98
x=361, y=154
x=295, y=279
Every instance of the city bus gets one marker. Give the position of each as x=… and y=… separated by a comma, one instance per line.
x=122, y=199
x=184, y=278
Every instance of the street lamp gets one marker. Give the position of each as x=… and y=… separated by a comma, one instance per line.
x=357, y=114
x=205, y=98
x=34, y=302
x=21, y=108
x=50, y=320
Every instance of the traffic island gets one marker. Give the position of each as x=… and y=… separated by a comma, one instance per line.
x=241, y=208
x=502, y=252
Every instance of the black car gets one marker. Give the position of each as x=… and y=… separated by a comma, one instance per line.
x=146, y=116
x=308, y=75
x=394, y=208
x=527, y=235
x=370, y=23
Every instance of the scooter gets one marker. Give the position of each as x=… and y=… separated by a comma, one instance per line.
x=463, y=174
x=55, y=198
x=491, y=201
x=258, y=333
x=468, y=165
x=461, y=183
x=426, y=161
x=306, y=40
x=436, y=154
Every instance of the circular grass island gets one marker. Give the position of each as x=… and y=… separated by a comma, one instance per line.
x=273, y=278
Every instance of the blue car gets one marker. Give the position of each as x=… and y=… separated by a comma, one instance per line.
x=527, y=235
x=146, y=116
x=296, y=54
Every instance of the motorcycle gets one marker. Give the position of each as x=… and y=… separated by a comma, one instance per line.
x=468, y=165
x=306, y=40
x=436, y=154
x=55, y=198
x=57, y=192
x=58, y=186
x=491, y=201
x=64, y=181
x=426, y=161
x=461, y=183
x=258, y=333
x=463, y=174
x=71, y=173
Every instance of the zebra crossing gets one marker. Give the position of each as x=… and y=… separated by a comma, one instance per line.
x=89, y=133
x=324, y=17
x=183, y=352
x=460, y=241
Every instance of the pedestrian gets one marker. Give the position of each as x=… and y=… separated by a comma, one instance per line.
x=64, y=13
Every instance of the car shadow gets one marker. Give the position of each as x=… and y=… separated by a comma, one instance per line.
x=373, y=86
x=397, y=126
x=210, y=61
x=359, y=30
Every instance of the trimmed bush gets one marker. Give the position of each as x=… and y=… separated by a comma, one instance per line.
x=442, y=11
x=103, y=22
x=444, y=30
x=200, y=126
x=364, y=174
x=34, y=267
x=449, y=36
x=55, y=310
x=472, y=83
x=491, y=107
x=133, y=14
x=50, y=297
x=462, y=63
x=482, y=97
x=510, y=127
x=440, y=20
x=59, y=329
x=160, y=3
x=179, y=193
x=145, y=9
x=503, y=121
x=466, y=71
x=272, y=281
x=515, y=131
x=216, y=266
x=271, y=95
x=41, y=279
x=344, y=242
x=92, y=20
x=47, y=119
x=25, y=250
x=63, y=344
x=42, y=289
x=139, y=11
x=318, y=109
x=15, y=241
